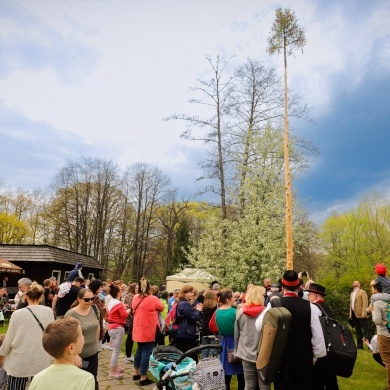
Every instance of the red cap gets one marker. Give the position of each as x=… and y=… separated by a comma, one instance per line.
x=380, y=269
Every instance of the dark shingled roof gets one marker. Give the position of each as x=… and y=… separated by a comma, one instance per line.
x=45, y=253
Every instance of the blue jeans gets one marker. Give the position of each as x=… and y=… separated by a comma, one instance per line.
x=206, y=353
x=142, y=355
x=116, y=337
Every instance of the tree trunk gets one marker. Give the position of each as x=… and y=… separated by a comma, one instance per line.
x=289, y=237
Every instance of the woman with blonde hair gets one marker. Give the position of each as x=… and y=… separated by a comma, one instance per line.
x=246, y=338
x=145, y=307
x=210, y=304
x=186, y=317
x=88, y=317
x=24, y=340
x=225, y=318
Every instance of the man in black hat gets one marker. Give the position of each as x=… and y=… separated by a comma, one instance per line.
x=317, y=295
x=322, y=381
x=305, y=339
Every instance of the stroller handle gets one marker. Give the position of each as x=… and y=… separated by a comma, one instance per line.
x=195, y=350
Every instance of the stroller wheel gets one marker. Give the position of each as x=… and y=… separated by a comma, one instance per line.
x=165, y=385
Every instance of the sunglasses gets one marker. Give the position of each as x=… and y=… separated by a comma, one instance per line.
x=88, y=299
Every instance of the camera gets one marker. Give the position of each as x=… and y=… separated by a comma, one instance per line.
x=304, y=273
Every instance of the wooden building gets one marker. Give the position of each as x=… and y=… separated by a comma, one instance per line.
x=41, y=262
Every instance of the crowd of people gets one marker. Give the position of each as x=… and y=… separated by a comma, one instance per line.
x=69, y=324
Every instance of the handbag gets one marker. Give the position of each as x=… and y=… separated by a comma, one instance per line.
x=213, y=323
x=231, y=358
x=341, y=350
x=209, y=374
x=161, y=323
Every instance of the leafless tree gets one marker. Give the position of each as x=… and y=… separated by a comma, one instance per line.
x=214, y=96
x=147, y=190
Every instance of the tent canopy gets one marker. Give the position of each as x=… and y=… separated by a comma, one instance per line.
x=9, y=268
x=197, y=277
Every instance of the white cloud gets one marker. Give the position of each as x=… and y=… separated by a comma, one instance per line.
x=106, y=73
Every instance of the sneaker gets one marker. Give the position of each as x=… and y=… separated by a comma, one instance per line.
x=120, y=370
x=115, y=376
x=136, y=377
x=146, y=382
x=129, y=359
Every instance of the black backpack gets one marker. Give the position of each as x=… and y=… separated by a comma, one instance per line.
x=341, y=350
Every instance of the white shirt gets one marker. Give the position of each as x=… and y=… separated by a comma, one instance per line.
x=353, y=297
x=374, y=344
x=17, y=297
x=317, y=336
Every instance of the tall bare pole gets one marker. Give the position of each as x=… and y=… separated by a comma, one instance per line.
x=287, y=35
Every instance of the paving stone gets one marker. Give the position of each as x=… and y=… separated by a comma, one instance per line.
x=117, y=384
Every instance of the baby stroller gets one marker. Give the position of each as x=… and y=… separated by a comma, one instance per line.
x=175, y=370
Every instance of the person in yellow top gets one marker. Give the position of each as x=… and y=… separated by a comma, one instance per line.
x=64, y=340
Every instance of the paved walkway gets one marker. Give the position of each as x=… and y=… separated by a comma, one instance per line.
x=117, y=384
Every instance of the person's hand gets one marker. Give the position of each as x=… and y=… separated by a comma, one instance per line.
x=300, y=275
x=199, y=307
x=78, y=362
x=365, y=341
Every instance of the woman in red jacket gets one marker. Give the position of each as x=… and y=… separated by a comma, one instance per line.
x=145, y=323
x=117, y=316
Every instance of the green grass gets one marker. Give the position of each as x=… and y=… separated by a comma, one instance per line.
x=4, y=329
x=367, y=374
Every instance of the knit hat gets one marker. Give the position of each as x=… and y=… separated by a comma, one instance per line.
x=290, y=279
x=380, y=269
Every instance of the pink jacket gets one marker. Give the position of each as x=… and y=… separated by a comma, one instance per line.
x=117, y=316
x=145, y=317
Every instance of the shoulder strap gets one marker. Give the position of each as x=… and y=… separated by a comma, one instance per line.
x=95, y=309
x=322, y=309
x=133, y=311
x=39, y=322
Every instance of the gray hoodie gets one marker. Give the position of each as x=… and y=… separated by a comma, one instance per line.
x=379, y=316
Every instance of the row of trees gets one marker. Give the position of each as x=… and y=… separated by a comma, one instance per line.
x=351, y=244
x=130, y=221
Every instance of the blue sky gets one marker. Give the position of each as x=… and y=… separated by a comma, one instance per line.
x=95, y=78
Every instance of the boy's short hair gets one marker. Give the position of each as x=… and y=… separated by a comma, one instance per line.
x=59, y=334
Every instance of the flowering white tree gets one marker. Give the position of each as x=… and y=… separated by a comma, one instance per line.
x=248, y=246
